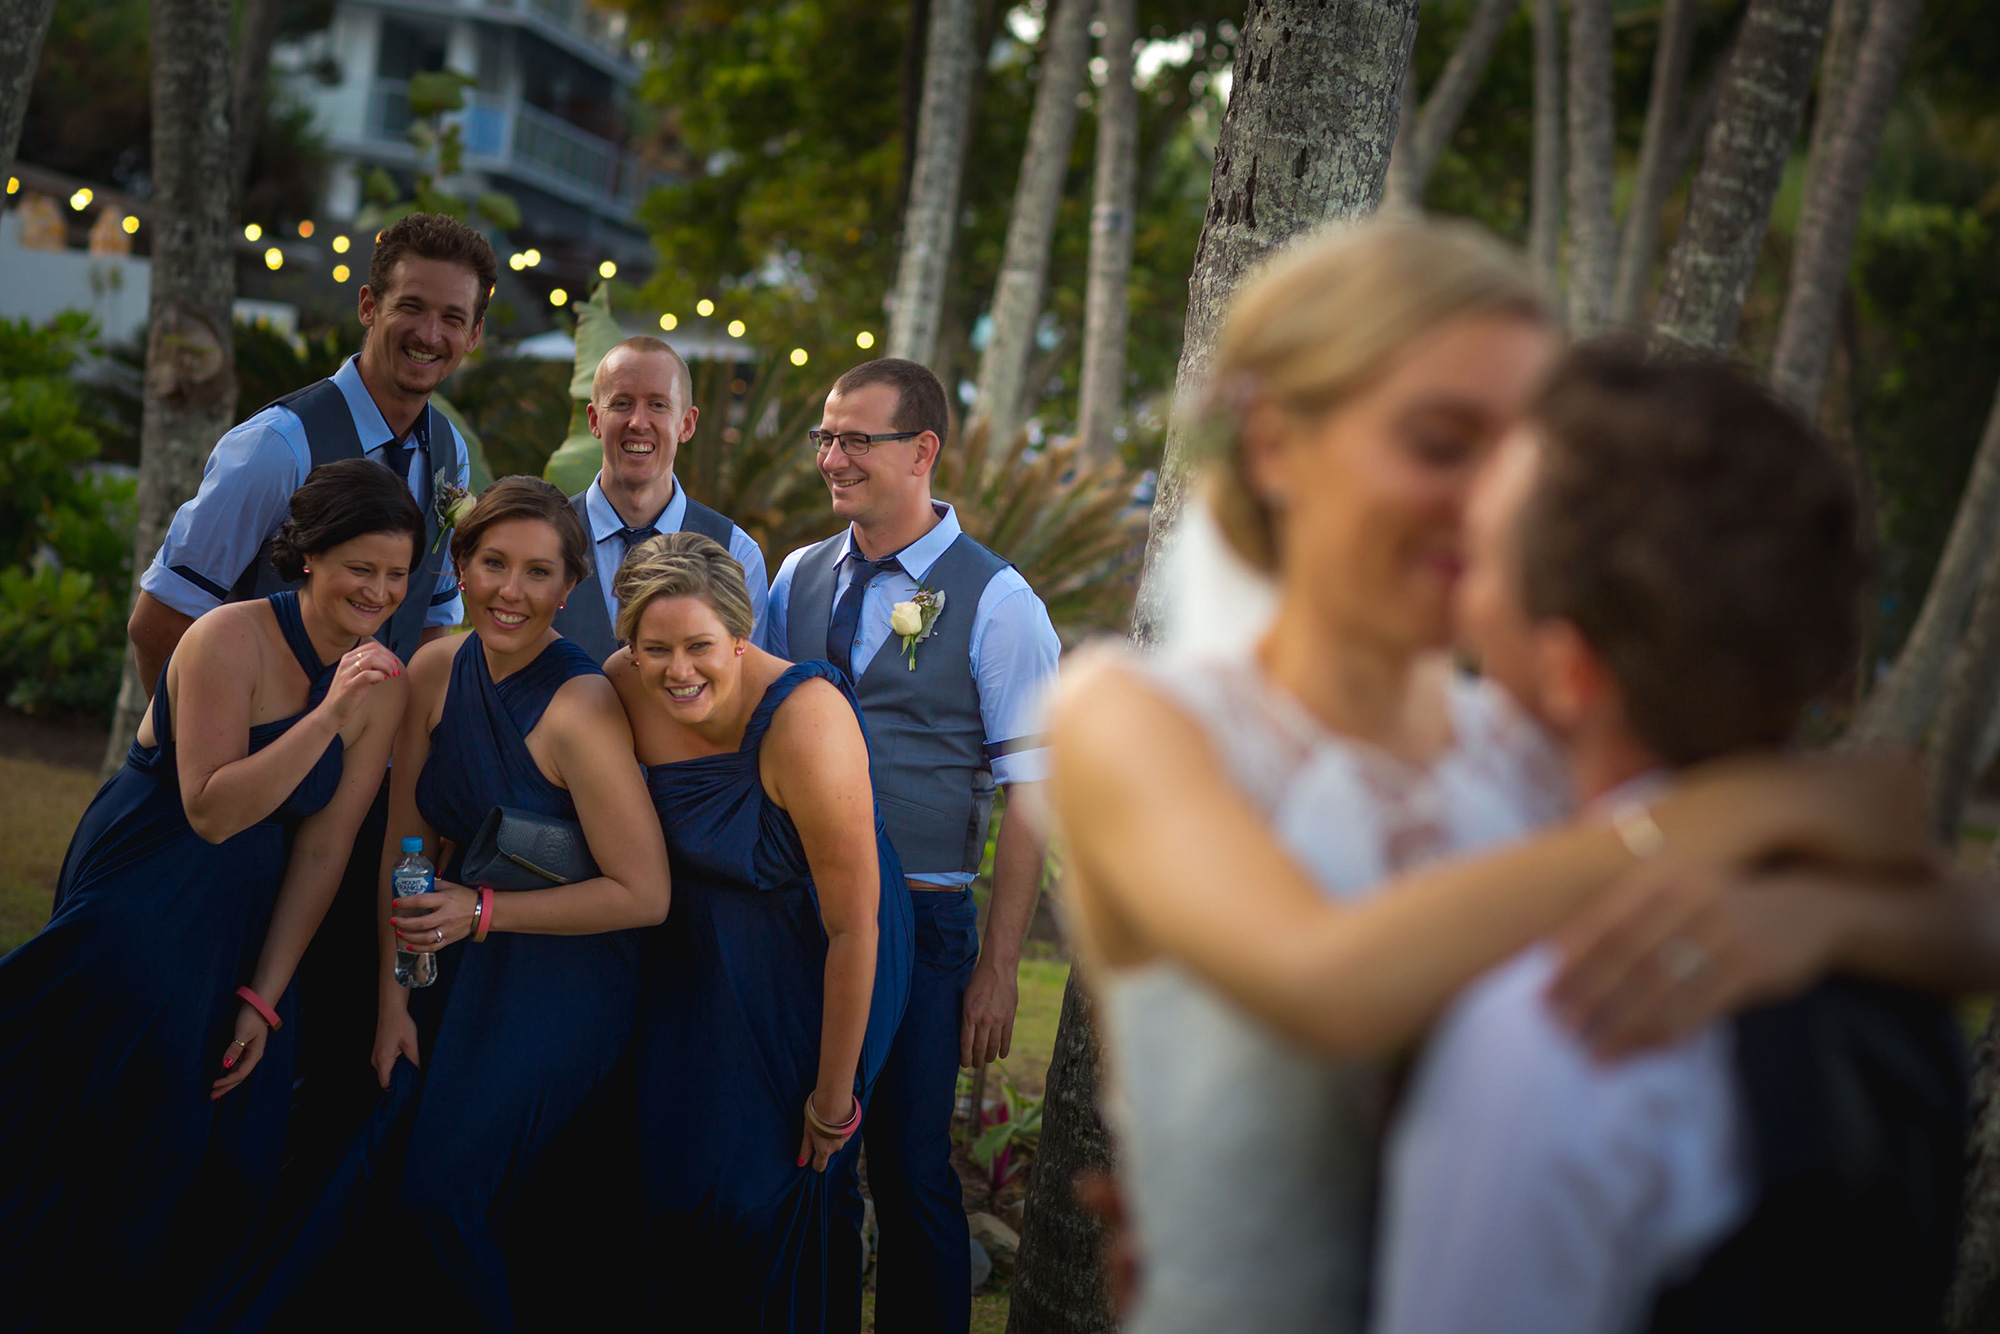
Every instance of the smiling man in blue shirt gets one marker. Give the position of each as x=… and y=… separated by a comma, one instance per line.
x=950, y=719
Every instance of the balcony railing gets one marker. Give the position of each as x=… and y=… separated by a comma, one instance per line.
x=509, y=135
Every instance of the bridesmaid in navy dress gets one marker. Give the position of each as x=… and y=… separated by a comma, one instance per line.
x=774, y=989
x=536, y=991
x=146, y=1033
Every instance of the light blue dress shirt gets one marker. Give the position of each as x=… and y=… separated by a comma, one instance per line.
x=1013, y=655
x=609, y=549
x=246, y=492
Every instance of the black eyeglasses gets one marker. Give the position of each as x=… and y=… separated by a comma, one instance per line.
x=853, y=442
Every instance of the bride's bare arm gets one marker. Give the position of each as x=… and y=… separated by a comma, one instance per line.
x=1166, y=846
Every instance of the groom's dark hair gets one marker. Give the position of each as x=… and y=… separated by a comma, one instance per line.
x=1703, y=540
x=433, y=236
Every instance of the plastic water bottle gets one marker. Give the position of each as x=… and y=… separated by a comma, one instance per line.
x=413, y=875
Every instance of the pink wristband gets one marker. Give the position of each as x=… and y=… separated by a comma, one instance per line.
x=264, y=1011
x=485, y=913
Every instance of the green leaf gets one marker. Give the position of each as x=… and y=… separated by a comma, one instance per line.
x=380, y=187
x=597, y=332
x=482, y=476
x=499, y=209
x=436, y=91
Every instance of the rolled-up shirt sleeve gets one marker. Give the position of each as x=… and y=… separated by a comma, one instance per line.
x=447, y=608
x=1014, y=654
x=246, y=492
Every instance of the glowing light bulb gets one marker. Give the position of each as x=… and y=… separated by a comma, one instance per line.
x=532, y=257
x=340, y=273
x=864, y=339
x=798, y=356
x=704, y=308
x=736, y=328
x=274, y=258
x=13, y=184
x=80, y=200
x=559, y=298
x=607, y=270
x=252, y=232
x=306, y=228
x=668, y=321
x=340, y=244
x=516, y=263
x=131, y=225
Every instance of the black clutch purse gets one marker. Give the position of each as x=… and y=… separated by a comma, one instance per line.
x=523, y=850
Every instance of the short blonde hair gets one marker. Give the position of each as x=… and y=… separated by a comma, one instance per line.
x=1325, y=318
x=645, y=345
x=682, y=565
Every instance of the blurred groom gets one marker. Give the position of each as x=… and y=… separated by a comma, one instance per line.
x=641, y=407
x=949, y=702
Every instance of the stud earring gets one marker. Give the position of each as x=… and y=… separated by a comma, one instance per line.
x=740, y=648
x=307, y=568
x=562, y=606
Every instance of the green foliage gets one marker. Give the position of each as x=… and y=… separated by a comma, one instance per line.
x=62, y=640
x=271, y=363
x=520, y=407
x=439, y=139
x=46, y=436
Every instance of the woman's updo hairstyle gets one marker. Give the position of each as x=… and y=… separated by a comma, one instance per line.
x=525, y=498
x=1324, y=319
x=338, y=503
x=682, y=565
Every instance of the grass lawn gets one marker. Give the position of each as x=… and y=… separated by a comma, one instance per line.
x=39, y=807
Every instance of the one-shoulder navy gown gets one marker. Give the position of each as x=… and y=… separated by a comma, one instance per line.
x=516, y=1035
x=728, y=1050
x=118, y=1175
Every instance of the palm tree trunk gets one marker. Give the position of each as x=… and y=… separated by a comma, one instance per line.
x=1107, y=299
x=190, y=386
x=930, y=219
x=1974, y=1304
x=1900, y=709
x=1024, y=265
x=1966, y=709
x=1729, y=205
x=23, y=24
x=1641, y=236
x=1059, y=1271
x=249, y=91
x=1305, y=141
x=1545, y=214
x=1396, y=191
x=1837, y=176
x=1593, y=241
x=1445, y=107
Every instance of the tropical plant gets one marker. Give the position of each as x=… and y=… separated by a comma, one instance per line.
x=1016, y=1124
x=62, y=640
x=439, y=139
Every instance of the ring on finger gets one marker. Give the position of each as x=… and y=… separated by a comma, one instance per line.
x=439, y=931
x=1682, y=960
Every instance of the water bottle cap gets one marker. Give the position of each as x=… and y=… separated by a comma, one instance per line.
x=413, y=845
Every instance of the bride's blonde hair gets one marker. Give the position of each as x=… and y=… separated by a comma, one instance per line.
x=1324, y=319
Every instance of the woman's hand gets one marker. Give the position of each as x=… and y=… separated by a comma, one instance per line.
x=395, y=1035
x=820, y=1148
x=367, y=663
x=245, y=1049
x=1674, y=945
x=426, y=923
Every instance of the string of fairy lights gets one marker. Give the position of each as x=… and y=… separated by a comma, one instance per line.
x=520, y=261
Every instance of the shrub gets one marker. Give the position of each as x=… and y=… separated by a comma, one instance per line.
x=62, y=640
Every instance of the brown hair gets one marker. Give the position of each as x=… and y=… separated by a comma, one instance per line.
x=439, y=237
x=1324, y=319
x=682, y=565
x=647, y=345
x=525, y=498
x=339, y=502
x=920, y=400
x=1701, y=538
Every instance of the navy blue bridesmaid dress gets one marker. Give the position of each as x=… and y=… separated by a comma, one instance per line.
x=517, y=1035
x=118, y=1175
x=728, y=1050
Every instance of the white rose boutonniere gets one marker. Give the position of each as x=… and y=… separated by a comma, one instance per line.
x=915, y=619
x=453, y=505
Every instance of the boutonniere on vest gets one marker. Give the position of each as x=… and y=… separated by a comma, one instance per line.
x=453, y=503
x=913, y=620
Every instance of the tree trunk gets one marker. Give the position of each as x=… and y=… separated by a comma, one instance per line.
x=1837, y=176
x=1974, y=1304
x=1657, y=170
x=1305, y=141
x=1729, y=205
x=1593, y=240
x=1545, y=217
x=931, y=217
x=23, y=24
x=1059, y=1272
x=190, y=384
x=915, y=32
x=1396, y=191
x=1900, y=709
x=1966, y=709
x=1445, y=107
x=249, y=91
x=1107, y=297
x=1024, y=265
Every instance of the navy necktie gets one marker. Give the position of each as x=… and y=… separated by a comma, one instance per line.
x=632, y=537
x=846, y=622
x=396, y=458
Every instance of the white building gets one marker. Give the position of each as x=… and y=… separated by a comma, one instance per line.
x=545, y=121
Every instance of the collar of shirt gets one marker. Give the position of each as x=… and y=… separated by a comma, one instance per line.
x=369, y=423
x=918, y=557
x=604, y=520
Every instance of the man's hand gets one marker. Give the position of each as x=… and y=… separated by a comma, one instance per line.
x=986, y=1032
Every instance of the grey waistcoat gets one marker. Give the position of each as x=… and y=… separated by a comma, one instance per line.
x=583, y=618
x=926, y=740
x=330, y=436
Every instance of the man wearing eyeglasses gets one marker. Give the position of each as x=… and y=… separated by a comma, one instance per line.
x=640, y=407
x=949, y=696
